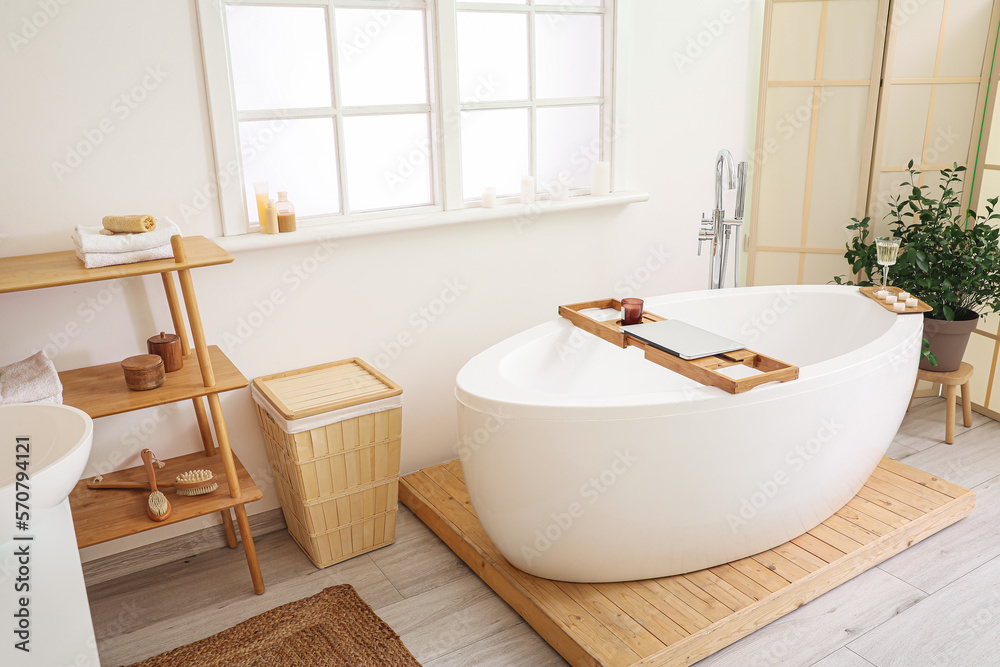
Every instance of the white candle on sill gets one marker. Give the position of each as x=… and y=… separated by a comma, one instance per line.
x=600, y=179
x=891, y=298
x=911, y=302
x=489, y=197
x=899, y=307
x=527, y=190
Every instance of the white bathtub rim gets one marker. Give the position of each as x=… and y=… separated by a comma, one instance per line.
x=480, y=385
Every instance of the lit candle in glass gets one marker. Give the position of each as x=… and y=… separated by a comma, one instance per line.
x=631, y=311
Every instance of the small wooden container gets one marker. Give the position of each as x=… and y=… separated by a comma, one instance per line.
x=143, y=372
x=168, y=347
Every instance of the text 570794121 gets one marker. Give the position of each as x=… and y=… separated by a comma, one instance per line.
x=22, y=550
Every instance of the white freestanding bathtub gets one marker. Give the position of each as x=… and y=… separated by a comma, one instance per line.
x=587, y=463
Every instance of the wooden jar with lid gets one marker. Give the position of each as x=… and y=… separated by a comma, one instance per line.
x=168, y=347
x=143, y=372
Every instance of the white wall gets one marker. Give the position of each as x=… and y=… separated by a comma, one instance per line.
x=63, y=80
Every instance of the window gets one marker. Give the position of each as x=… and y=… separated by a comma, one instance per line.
x=531, y=84
x=375, y=108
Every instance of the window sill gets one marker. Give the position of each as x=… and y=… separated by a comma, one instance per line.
x=520, y=216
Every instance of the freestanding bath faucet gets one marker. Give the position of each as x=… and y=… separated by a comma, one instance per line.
x=717, y=229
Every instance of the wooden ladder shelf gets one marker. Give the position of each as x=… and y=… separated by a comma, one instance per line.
x=704, y=370
x=100, y=391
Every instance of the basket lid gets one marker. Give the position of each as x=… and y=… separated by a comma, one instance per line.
x=324, y=388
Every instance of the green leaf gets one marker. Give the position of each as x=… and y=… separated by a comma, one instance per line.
x=948, y=311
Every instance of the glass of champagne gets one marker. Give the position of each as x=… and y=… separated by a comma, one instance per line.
x=887, y=248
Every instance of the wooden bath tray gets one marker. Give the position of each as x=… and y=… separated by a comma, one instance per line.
x=704, y=370
x=869, y=292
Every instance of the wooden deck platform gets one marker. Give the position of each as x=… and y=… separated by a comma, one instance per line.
x=682, y=619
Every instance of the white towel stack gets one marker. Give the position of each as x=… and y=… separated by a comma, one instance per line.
x=33, y=380
x=96, y=246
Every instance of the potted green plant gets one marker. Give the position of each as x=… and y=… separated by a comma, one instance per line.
x=948, y=257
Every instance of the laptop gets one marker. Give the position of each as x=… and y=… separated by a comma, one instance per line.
x=682, y=339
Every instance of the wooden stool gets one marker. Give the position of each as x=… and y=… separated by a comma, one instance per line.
x=950, y=380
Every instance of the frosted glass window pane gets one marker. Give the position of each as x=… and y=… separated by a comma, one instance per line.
x=388, y=161
x=794, y=41
x=299, y=156
x=568, y=140
x=495, y=150
x=916, y=42
x=279, y=57
x=498, y=2
x=572, y=3
x=850, y=39
x=381, y=55
x=568, y=57
x=492, y=56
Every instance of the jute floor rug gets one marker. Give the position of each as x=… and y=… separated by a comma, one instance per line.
x=332, y=629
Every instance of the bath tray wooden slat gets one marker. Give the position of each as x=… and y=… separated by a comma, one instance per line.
x=704, y=370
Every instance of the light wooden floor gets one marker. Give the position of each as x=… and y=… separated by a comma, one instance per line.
x=938, y=603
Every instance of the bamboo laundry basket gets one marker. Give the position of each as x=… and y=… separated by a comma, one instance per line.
x=333, y=435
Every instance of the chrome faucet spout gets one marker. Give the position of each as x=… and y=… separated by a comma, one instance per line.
x=724, y=162
x=716, y=229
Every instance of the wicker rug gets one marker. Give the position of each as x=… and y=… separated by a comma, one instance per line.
x=332, y=629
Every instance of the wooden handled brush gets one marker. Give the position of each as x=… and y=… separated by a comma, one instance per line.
x=190, y=483
x=158, y=507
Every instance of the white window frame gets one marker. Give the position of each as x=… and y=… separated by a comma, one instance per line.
x=443, y=107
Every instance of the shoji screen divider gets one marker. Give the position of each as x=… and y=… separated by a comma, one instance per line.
x=928, y=57
x=930, y=82
x=935, y=80
x=819, y=89
x=936, y=83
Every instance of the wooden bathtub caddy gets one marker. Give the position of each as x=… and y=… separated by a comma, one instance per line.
x=676, y=621
x=704, y=370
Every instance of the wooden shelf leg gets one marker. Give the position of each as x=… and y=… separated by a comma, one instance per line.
x=914, y=394
x=949, y=426
x=176, y=314
x=966, y=404
x=227, y=523
x=249, y=549
x=206, y=440
x=224, y=449
x=203, y=427
x=191, y=303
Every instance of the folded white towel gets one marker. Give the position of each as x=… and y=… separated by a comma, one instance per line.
x=97, y=239
x=95, y=260
x=33, y=380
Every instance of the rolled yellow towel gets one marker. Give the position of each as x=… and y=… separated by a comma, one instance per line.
x=129, y=223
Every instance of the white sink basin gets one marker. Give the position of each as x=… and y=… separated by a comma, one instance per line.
x=59, y=442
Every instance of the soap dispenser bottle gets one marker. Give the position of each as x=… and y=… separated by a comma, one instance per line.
x=286, y=213
x=271, y=215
